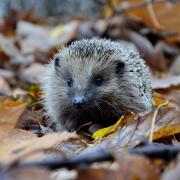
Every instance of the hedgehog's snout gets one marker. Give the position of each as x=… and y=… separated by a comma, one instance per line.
x=79, y=102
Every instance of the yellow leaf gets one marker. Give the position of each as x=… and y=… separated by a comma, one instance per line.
x=165, y=131
x=158, y=99
x=99, y=134
x=58, y=30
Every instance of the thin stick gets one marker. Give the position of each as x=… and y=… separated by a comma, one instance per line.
x=154, y=120
x=86, y=124
x=153, y=16
x=138, y=5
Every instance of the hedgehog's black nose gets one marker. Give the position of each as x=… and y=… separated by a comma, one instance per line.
x=79, y=101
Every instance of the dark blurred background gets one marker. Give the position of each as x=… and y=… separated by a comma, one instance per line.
x=59, y=8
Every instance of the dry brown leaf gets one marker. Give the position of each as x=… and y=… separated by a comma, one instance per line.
x=96, y=174
x=158, y=99
x=135, y=167
x=168, y=130
x=4, y=87
x=36, y=37
x=3, y=56
x=8, y=47
x=26, y=174
x=10, y=103
x=20, y=143
x=34, y=73
x=30, y=119
x=128, y=167
x=167, y=14
x=138, y=129
x=6, y=73
x=109, y=7
x=175, y=68
x=9, y=117
x=172, y=94
x=172, y=172
x=166, y=83
x=10, y=144
x=167, y=117
x=153, y=56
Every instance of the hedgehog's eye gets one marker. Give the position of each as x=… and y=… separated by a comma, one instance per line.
x=98, y=80
x=56, y=61
x=119, y=67
x=69, y=82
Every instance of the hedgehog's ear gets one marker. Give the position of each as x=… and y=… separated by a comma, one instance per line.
x=57, y=61
x=119, y=66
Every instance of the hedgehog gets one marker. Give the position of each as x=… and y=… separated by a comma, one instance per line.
x=95, y=80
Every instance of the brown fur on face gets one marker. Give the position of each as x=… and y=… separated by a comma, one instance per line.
x=111, y=77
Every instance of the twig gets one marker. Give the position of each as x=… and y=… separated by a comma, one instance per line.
x=152, y=150
x=69, y=162
x=84, y=125
x=153, y=15
x=121, y=10
x=153, y=121
x=155, y=150
x=31, y=153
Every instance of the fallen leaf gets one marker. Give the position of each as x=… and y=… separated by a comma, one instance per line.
x=166, y=82
x=10, y=103
x=126, y=167
x=4, y=87
x=8, y=46
x=65, y=174
x=135, y=167
x=96, y=174
x=64, y=33
x=167, y=14
x=167, y=130
x=154, y=56
x=23, y=59
x=26, y=174
x=175, y=68
x=99, y=134
x=33, y=74
x=9, y=117
x=4, y=57
x=172, y=93
x=158, y=99
x=20, y=143
x=171, y=172
x=6, y=73
x=139, y=128
x=33, y=37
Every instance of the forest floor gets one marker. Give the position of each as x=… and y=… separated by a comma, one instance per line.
x=138, y=146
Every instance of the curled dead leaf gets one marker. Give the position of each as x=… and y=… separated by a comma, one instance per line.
x=99, y=134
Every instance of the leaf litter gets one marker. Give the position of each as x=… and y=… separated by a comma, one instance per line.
x=27, y=138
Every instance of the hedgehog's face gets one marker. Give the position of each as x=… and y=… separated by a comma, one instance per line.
x=88, y=83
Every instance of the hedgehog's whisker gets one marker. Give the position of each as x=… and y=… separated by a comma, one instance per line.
x=111, y=105
x=98, y=107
